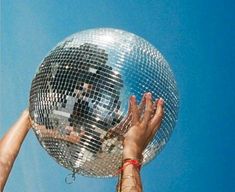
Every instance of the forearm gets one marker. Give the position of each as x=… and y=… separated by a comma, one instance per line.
x=10, y=145
x=145, y=121
x=130, y=180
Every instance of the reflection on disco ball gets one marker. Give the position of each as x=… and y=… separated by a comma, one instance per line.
x=81, y=91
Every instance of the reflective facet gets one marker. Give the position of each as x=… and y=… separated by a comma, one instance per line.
x=79, y=98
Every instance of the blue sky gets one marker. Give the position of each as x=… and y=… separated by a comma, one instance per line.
x=196, y=38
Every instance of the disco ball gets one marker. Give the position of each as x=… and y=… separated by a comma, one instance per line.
x=79, y=98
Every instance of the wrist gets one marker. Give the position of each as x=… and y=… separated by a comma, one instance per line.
x=132, y=152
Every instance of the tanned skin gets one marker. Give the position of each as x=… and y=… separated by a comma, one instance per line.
x=145, y=122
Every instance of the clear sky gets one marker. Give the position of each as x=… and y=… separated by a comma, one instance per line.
x=197, y=39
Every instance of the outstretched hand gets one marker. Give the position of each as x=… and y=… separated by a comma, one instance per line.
x=10, y=145
x=146, y=120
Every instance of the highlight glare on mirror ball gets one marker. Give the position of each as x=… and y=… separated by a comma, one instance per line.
x=79, y=98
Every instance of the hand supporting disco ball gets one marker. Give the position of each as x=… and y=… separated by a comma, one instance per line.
x=79, y=98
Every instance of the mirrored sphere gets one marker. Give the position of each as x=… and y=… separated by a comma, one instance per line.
x=79, y=98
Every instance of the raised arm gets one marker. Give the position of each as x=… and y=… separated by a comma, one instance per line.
x=142, y=130
x=10, y=145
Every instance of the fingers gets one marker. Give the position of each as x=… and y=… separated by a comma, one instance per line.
x=128, y=118
x=146, y=103
x=142, y=104
x=157, y=118
x=25, y=118
x=148, y=108
x=134, y=110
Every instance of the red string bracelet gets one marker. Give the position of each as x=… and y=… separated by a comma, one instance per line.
x=129, y=162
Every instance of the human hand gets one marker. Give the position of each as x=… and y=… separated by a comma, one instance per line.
x=10, y=145
x=146, y=120
x=25, y=119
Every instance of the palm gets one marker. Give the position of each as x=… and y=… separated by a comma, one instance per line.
x=145, y=121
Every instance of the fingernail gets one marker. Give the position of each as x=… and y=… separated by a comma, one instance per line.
x=161, y=101
x=149, y=95
x=133, y=99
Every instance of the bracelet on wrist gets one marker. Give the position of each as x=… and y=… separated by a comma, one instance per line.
x=126, y=162
x=140, y=160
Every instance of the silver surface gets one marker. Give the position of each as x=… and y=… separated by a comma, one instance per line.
x=81, y=91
